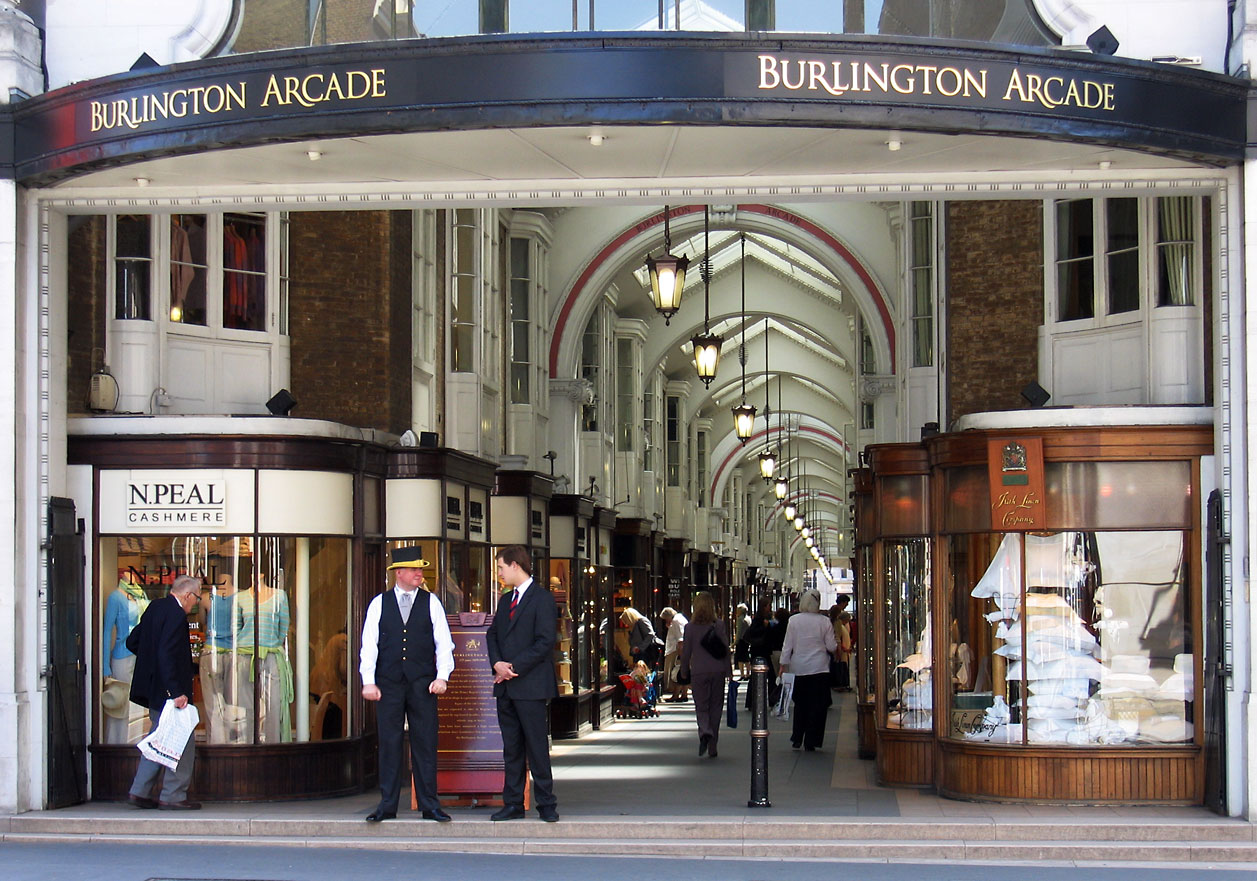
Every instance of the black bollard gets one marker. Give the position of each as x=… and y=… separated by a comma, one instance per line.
x=759, y=735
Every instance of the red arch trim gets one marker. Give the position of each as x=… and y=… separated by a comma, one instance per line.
x=654, y=220
x=737, y=451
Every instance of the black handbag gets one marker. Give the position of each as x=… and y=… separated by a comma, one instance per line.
x=714, y=645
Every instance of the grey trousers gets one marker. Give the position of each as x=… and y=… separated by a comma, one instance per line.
x=175, y=783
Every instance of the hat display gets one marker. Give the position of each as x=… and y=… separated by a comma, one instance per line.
x=408, y=558
x=114, y=698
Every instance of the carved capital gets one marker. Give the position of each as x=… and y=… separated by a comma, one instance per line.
x=875, y=386
x=578, y=391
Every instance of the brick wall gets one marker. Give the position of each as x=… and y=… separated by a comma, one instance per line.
x=349, y=317
x=85, y=281
x=994, y=303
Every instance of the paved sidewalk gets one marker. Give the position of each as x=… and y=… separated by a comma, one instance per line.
x=640, y=788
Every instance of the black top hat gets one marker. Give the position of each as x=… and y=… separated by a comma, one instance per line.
x=408, y=558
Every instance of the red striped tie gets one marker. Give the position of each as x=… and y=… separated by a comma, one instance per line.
x=514, y=603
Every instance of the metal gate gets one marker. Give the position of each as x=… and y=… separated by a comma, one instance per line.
x=1217, y=672
x=67, y=722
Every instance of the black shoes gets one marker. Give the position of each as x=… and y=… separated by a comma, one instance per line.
x=437, y=814
x=379, y=815
x=141, y=802
x=549, y=813
x=703, y=741
x=184, y=805
x=711, y=753
x=513, y=812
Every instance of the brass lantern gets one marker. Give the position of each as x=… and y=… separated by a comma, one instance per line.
x=767, y=464
x=744, y=421
x=781, y=487
x=667, y=276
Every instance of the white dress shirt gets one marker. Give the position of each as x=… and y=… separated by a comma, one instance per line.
x=371, y=637
x=523, y=587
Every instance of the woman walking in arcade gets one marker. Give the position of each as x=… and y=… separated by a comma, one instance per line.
x=705, y=661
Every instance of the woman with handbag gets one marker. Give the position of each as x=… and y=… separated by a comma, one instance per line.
x=706, y=663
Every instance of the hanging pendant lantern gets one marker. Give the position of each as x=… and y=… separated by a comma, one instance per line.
x=667, y=276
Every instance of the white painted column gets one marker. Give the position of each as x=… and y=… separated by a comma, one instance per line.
x=22, y=715
x=566, y=398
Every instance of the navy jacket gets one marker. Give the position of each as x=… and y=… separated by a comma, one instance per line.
x=526, y=641
x=163, y=654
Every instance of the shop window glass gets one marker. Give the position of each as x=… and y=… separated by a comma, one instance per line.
x=464, y=291
x=1119, y=495
x=864, y=625
x=244, y=271
x=905, y=505
x=1094, y=649
x=967, y=499
x=564, y=575
x=909, y=689
x=133, y=265
x=269, y=635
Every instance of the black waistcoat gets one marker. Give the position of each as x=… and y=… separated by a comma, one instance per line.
x=407, y=651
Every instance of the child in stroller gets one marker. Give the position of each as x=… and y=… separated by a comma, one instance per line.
x=640, y=693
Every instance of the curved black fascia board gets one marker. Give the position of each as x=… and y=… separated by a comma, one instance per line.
x=627, y=79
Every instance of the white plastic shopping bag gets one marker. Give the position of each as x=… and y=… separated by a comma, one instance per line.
x=174, y=729
x=782, y=708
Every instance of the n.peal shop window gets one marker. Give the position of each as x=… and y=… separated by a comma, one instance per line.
x=269, y=636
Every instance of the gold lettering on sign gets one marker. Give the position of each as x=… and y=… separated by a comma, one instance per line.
x=837, y=78
x=317, y=88
x=307, y=90
x=1015, y=507
x=1055, y=91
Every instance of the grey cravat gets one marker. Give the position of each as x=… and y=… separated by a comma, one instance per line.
x=404, y=605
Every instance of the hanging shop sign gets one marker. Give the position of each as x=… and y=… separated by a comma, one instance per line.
x=1015, y=475
x=484, y=82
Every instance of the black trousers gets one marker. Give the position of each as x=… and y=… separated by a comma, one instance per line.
x=409, y=702
x=811, y=704
x=525, y=728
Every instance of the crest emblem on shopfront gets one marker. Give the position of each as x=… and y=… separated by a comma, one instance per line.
x=1015, y=473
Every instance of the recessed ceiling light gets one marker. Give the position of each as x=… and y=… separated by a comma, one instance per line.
x=894, y=145
x=314, y=155
x=1105, y=165
x=596, y=139
x=142, y=181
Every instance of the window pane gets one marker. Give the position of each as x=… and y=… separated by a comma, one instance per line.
x=188, y=269
x=1074, y=229
x=1176, y=251
x=1075, y=269
x=1123, y=282
x=1123, y=223
x=1075, y=288
x=1118, y=495
x=244, y=271
x=132, y=267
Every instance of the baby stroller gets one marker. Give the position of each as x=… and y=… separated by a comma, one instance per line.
x=639, y=698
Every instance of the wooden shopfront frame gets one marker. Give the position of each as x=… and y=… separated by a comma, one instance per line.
x=1139, y=774
x=905, y=756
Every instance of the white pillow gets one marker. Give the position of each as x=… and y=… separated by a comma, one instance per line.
x=1076, y=688
x=1036, y=701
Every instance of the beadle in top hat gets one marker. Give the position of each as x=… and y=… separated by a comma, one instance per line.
x=408, y=558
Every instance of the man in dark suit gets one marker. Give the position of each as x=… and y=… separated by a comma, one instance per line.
x=521, y=650
x=163, y=671
x=406, y=658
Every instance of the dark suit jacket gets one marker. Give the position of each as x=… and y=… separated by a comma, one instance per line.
x=163, y=654
x=525, y=641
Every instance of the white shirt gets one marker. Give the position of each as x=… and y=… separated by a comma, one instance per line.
x=506, y=600
x=676, y=633
x=371, y=637
x=809, y=645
